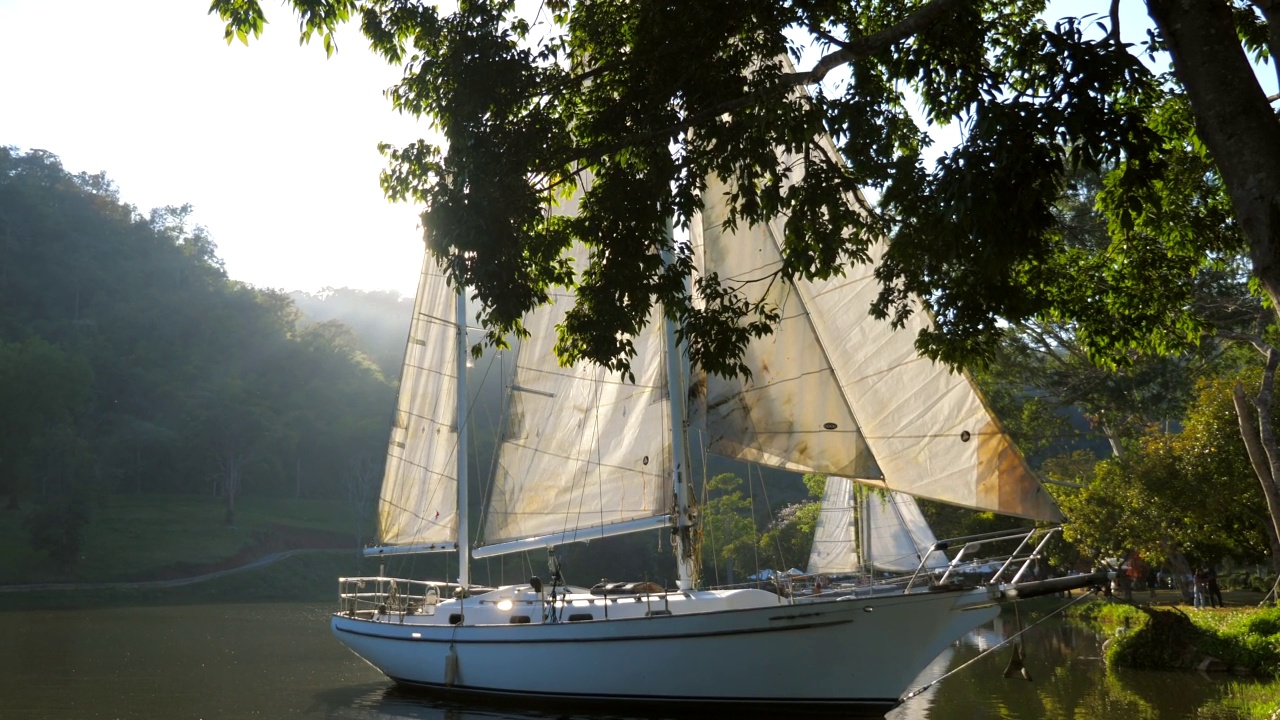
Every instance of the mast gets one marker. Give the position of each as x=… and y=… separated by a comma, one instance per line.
x=464, y=565
x=687, y=573
x=864, y=504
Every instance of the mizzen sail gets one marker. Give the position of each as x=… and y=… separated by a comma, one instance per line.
x=418, y=502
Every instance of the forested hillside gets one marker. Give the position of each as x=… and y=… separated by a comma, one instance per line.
x=379, y=320
x=131, y=363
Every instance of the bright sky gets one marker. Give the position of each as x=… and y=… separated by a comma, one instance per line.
x=273, y=145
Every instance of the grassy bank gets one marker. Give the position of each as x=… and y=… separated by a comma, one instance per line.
x=141, y=537
x=1239, y=640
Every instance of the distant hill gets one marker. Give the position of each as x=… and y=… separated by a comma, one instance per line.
x=378, y=319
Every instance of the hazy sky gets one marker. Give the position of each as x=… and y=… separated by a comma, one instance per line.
x=274, y=146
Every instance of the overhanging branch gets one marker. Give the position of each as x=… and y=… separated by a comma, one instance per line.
x=865, y=46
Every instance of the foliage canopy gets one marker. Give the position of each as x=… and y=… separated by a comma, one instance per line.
x=650, y=98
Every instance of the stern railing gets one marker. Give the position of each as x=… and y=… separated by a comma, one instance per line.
x=369, y=596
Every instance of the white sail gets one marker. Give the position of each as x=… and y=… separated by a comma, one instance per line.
x=864, y=529
x=835, y=549
x=585, y=448
x=928, y=429
x=896, y=534
x=791, y=413
x=418, y=502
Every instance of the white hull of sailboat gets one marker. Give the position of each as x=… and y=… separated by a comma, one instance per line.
x=740, y=648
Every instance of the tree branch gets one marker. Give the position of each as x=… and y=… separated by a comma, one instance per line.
x=857, y=48
x=1114, y=34
x=1259, y=440
x=1254, y=340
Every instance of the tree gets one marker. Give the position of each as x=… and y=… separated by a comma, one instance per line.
x=43, y=391
x=56, y=526
x=648, y=99
x=128, y=359
x=728, y=529
x=377, y=320
x=363, y=476
x=1189, y=492
x=789, y=538
x=651, y=98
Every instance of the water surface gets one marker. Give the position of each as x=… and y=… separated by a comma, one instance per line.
x=279, y=661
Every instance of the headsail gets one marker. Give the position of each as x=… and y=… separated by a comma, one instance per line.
x=791, y=413
x=867, y=529
x=417, y=507
x=585, y=451
x=928, y=429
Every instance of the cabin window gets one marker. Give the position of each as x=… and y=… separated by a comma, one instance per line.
x=657, y=613
x=576, y=617
x=519, y=620
x=455, y=619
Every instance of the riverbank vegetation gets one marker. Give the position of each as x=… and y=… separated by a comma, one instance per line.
x=1243, y=640
x=1238, y=640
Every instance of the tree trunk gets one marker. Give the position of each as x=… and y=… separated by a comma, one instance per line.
x=1237, y=125
x=232, y=469
x=1233, y=118
x=1262, y=457
x=1113, y=438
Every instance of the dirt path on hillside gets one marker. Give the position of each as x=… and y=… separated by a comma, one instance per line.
x=167, y=583
x=276, y=543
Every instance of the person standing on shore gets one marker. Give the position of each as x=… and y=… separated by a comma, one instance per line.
x=1198, y=587
x=1211, y=587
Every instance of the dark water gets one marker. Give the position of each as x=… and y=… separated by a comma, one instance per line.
x=279, y=661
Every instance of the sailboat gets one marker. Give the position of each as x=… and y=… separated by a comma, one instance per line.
x=586, y=454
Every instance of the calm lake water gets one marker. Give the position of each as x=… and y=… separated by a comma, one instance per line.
x=279, y=661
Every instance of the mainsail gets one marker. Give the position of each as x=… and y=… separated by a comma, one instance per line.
x=861, y=528
x=417, y=507
x=586, y=453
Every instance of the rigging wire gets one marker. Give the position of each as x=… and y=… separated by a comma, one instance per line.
x=706, y=499
x=777, y=537
x=755, y=531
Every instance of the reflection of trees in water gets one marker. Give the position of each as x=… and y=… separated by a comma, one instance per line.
x=1069, y=681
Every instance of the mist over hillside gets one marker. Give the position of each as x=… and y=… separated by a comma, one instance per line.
x=378, y=320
